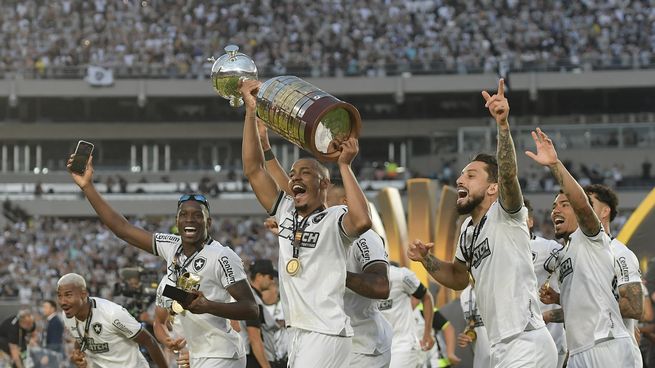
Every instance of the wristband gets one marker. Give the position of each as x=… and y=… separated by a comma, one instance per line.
x=268, y=155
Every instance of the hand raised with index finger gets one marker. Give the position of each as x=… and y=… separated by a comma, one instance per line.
x=497, y=104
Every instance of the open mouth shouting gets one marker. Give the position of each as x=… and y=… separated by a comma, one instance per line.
x=299, y=191
x=462, y=194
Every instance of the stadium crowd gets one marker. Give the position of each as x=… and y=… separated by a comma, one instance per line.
x=173, y=38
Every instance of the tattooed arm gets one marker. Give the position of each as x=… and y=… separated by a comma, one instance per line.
x=547, y=156
x=554, y=316
x=631, y=300
x=508, y=181
x=453, y=275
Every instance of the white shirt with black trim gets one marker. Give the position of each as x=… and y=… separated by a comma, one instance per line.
x=545, y=256
x=111, y=330
x=500, y=261
x=481, y=352
x=398, y=308
x=313, y=298
x=207, y=335
x=588, y=291
x=626, y=268
x=372, y=332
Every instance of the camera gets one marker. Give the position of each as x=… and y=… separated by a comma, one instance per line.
x=137, y=289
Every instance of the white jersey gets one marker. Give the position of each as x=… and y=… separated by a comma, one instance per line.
x=207, y=335
x=398, y=308
x=497, y=252
x=481, y=352
x=626, y=268
x=313, y=298
x=588, y=294
x=372, y=332
x=545, y=255
x=281, y=334
x=109, y=338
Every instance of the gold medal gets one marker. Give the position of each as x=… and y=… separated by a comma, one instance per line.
x=177, y=307
x=470, y=330
x=293, y=266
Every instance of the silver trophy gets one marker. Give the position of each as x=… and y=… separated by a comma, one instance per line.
x=228, y=70
x=300, y=112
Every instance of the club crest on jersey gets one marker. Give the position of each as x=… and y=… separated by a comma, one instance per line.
x=319, y=217
x=97, y=328
x=565, y=269
x=199, y=263
x=480, y=252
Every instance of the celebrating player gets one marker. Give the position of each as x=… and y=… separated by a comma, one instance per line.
x=494, y=248
x=105, y=334
x=594, y=335
x=211, y=340
x=314, y=244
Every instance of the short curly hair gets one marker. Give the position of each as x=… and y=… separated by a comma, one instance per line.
x=605, y=195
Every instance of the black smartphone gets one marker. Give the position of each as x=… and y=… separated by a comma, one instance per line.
x=182, y=296
x=81, y=156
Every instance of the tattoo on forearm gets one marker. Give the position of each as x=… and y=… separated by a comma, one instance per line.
x=557, y=173
x=507, y=167
x=431, y=264
x=557, y=315
x=631, y=300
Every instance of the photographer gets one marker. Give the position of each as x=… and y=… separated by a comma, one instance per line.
x=135, y=295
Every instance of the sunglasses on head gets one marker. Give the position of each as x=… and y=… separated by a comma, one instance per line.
x=193, y=197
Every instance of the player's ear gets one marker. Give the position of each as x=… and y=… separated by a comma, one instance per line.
x=492, y=189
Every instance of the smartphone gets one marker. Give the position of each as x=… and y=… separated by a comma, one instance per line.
x=81, y=156
x=182, y=296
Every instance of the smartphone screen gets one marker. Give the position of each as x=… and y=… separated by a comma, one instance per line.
x=81, y=157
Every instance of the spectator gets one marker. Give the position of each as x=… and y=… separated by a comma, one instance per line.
x=53, y=331
x=15, y=334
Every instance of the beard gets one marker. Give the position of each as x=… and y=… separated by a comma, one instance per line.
x=467, y=207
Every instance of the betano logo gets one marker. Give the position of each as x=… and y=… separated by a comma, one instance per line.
x=431, y=217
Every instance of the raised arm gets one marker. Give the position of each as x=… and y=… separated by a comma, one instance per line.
x=357, y=220
x=251, y=150
x=508, y=181
x=243, y=308
x=547, y=156
x=453, y=275
x=373, y=283
x=272, y=164
x=116, y=222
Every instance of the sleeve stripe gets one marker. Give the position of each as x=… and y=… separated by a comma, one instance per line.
x=506, y=210
x=133, y=336
x=273, y=210
x=374, y=261
x=154, y=246
x=340, y=222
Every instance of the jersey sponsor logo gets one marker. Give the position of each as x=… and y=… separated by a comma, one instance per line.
x=565, y=269
x=227, y=268
x=364, y=250
x=309, y=239
x=623, y=269
x=97, y=328
x=480, y=252
x=97, y=348
x=119, y=325
x=410, y=282
x=199, y=263
x=167, y=238
x=385, y=304
x=319, y=217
